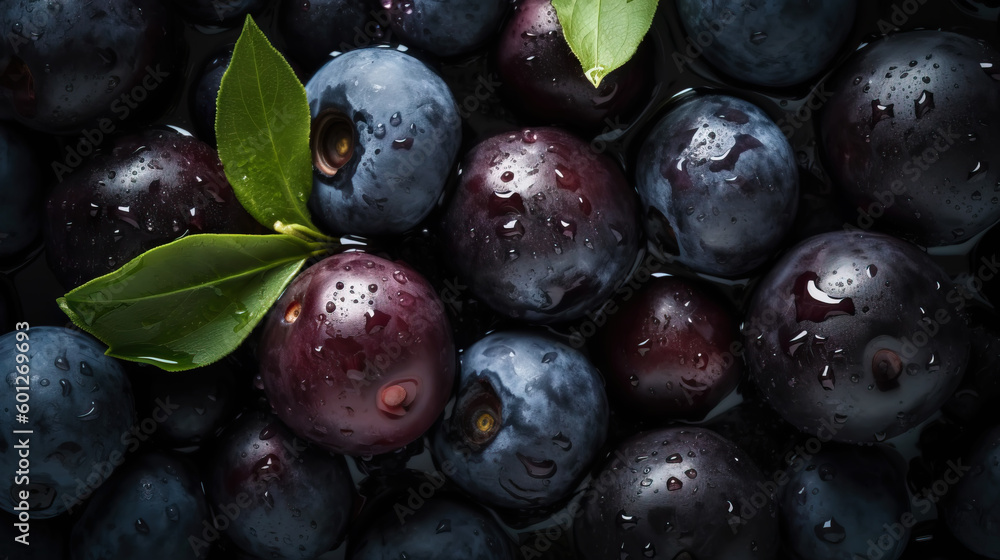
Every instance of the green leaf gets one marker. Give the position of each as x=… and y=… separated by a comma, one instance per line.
x=190, y=302
x=262, y=126
x=604, y=34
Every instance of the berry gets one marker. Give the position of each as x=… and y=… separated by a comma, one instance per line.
x=530, y=417
x=189, y=408
x=357, y=355
x=148, y=509
x=671, y=352
x=313, y=29
x=277, y=496
x=719, y=185
x=442, y=528
x=902, y=142
x=851, y=336
x=149, y=189
x=132, y=65
x=676, y=493
x=81, y=412
x=205, y=93
x=445, y=28
x=541, y=228
x=385, y=133
x=845, y=500
x=773, y=43
x=544, y=79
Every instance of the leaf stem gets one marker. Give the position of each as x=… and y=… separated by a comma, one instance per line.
x=305, y=233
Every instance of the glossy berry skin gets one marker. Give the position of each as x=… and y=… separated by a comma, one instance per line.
x=190, y=407
x=148, y=509
x=671, y=352
x=541, y=228
x=20, y=192
x=313, y=29
x=81, y=412
x=545, y=80
x=845, y=502
x=48, y=86
x=205, y=93
x=443, y=528
x=719, y=185
x=902, y=144
x=218, y=12
x=357, y=355
x=445, y=28
x=771, y=43
x=406, y=134
x=677, y=491
x=149, y=189
x=283, y=498
x=851, y=336
x=973, y=506
x=530, y=417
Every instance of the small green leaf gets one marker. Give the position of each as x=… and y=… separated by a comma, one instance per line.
x=262, y=126
x=604, y=34
x=190, y=302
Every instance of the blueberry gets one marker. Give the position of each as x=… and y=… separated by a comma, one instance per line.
x=972, y=508
x=445, y=27
x=852, y=336
x=772, y=43
x=280, y=497
x=149, y=509
x=313, y=29
x=205, y=93
x=149, y=189
x=357, y=355
x=680, y=493
x=385, y=133
x=530, y=417
x=189, y=408
x=845, y=502
x=541, y=227
x=20, y=192
x=218, y=12
x=719, y=185
x=81, y=411
x=46, y=83
x=544, y=78
x=669, y=352
x=441, y=528
x=902, y=142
